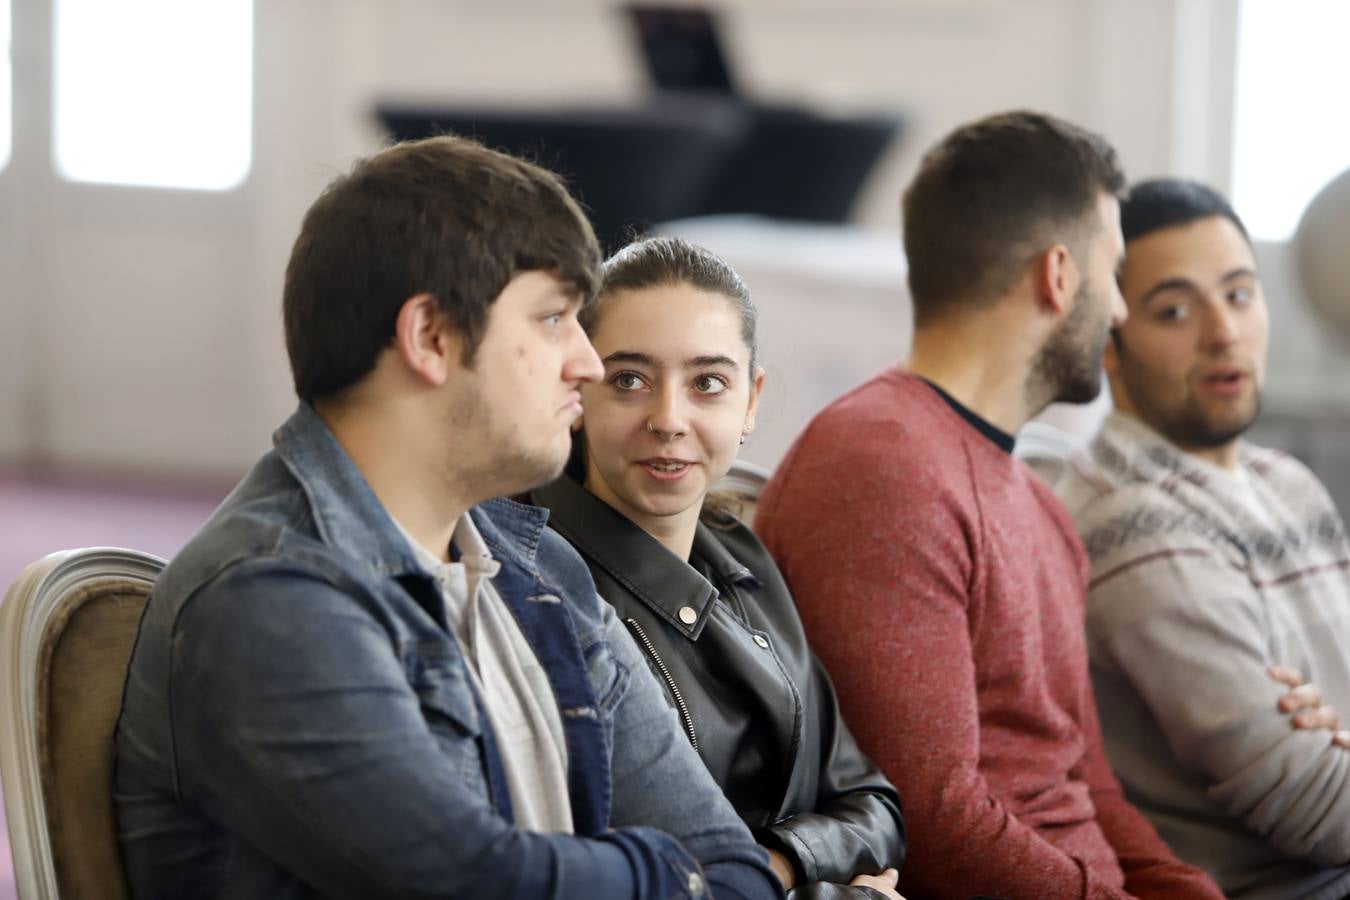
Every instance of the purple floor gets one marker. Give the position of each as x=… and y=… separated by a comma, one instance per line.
x=41, y=515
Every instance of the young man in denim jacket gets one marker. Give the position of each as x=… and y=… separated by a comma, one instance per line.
x=363, y=677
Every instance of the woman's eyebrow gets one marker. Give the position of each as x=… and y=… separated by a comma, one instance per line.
x=630, y=356
x=696, y=362
x=699, y=362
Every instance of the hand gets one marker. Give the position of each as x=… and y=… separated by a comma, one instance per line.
x=1305, y=702
x=783, y=868
x=884, y=883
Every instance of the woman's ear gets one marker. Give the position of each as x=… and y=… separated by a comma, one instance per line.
x=756, y=388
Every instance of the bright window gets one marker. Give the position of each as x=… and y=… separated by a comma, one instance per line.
x=154, y=92
x=1291, y=133
x=6, y=91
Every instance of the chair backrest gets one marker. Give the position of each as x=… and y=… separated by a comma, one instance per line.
x=67, y=627
x=741, y=486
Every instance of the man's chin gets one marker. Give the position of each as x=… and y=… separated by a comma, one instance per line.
x=1210, y=429
x=539, y=470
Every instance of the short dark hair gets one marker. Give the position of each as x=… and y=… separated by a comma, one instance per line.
x=443, y=216
x=671, y=261
x=1160, y=203
x=990, y=196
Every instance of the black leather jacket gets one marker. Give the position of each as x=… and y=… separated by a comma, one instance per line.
x=722, y=634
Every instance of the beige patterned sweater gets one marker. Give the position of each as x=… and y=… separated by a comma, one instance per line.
x=1201, y=579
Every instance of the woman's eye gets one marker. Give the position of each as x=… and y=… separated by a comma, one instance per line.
x=554, y=320
x=626, y=381
x=1173, y=313
x=709, y=384
x=1241, y=296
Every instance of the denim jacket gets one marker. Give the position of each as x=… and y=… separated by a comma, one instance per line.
x=298, y=720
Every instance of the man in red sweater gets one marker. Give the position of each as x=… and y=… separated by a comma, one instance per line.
x=939, y=581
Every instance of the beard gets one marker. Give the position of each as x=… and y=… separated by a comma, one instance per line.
x=506, y=460
x=1069, y=367
x=1193, y=427
x=1189, y=424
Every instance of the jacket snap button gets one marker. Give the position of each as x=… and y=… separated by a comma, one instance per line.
x=762, y=641
x=687, y=615
x=695, y=879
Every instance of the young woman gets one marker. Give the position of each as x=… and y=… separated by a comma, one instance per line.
x=675, y=328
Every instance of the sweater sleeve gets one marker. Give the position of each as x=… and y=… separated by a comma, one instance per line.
x=1151, y=869
x=889, y=618
x=1186, y=629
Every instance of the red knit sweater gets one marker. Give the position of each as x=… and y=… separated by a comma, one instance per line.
x=942, y=585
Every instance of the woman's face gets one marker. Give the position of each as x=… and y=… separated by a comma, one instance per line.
x=664, y=424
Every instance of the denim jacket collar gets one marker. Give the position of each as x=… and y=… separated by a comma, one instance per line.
x=661, y=580
x=351, y=519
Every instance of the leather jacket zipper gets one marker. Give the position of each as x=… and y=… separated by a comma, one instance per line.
x=670, y=682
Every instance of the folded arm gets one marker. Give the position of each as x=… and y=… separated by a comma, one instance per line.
x=1198, y=655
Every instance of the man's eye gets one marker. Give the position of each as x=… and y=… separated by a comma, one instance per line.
x=554, y=320
x=710, y=384
x=1174, y=313
x=1241, y=296
x=626, y=381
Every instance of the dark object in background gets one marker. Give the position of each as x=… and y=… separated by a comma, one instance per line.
x=629, y=168
x=793, y=163
x=695, y=148
x=681, y=47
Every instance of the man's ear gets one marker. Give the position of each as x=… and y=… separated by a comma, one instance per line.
x=425, y=340
x=1057, y=279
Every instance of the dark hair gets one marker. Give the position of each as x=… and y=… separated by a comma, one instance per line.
x=993, y=194
x=443, y=216
x=1166, y=202
x=658, y=261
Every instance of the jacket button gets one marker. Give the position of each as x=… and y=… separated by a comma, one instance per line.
x=695, y=879
x=688, y=615
x=762, y=641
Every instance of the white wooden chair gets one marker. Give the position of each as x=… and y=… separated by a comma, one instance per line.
x=67, y=628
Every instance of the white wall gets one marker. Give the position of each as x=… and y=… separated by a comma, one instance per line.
x=140, y=330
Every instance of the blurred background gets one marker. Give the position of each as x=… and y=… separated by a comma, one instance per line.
x=156, y=157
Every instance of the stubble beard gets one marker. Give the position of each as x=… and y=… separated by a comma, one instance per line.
x=1069, y=367
x=505, y=461
x=1191, y=425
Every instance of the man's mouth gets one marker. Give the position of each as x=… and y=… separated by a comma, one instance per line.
x=1225, y=380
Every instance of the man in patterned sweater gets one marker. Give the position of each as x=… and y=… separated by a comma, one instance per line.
x=1213, y=562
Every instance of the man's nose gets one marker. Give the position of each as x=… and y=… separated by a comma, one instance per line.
x=583, y=363
x=1221, y=327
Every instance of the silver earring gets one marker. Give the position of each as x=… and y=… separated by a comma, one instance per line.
x=742, y=439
